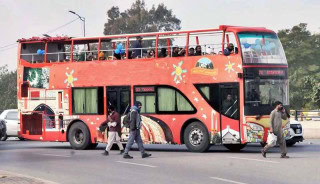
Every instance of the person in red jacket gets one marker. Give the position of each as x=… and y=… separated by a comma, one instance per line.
x=114, y=123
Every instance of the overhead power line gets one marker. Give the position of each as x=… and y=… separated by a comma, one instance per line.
x=13, y=45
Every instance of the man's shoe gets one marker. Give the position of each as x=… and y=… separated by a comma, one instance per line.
x=106, y=153
x=264, y=154
x=145, y=155
x=121, y=152
x=284, y=156
x=127, y=156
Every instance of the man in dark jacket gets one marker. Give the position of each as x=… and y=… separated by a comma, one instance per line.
x=114, y=124
x=134, y=135
x=276, y=117
x=137, y=46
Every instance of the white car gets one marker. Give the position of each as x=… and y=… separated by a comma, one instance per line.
x=11, y=120
x=296, y=133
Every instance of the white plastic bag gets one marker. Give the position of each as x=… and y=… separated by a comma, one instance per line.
x=272, y=139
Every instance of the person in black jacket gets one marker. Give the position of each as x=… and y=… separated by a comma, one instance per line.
x=134, y=134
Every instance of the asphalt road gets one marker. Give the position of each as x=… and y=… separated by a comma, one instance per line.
x=57, y=162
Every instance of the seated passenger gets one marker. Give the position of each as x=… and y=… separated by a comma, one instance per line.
x=82, y=56
x=198, y=51
x=191, y=51
x=175, y=52
x=182, y=52
x=150, y=53
x=90, y=56
x=101, y=56
x=163, y=53
x=229, y=50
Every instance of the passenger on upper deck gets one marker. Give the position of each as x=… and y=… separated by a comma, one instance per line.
x=229, y=50
x=191, y=51
x=101, y=56
x=182, y=52
x=175, y=51
x=137, y=52
x=150, y=53
x=163, y=53
x=198, y=51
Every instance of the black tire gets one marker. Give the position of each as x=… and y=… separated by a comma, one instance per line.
x=21, y=138
x=79, y=136
x=4, y=138
x=196, y=137
x=289, y=144
x=235, y=147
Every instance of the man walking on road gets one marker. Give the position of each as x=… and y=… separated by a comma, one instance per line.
x=114, y=124
x=134, y=135
x=276, y=117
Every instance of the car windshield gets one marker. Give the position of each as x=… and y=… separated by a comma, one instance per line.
x=261, y=48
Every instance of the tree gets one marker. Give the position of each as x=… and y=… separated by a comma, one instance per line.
x=303, y=53
x=8, y=88
x=138, y=19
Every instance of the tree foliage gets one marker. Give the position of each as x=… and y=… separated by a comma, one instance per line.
x=8, y=88
x=303, y=53
x=138, y=19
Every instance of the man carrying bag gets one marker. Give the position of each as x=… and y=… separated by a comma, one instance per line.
x=276, y=117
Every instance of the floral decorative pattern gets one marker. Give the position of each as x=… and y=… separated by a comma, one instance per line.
x=70, y=79
x=178, y=72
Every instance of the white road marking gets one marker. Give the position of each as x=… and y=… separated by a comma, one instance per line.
x=257, y=160
x=225, y=180
x=55, y=155
x=136, y=164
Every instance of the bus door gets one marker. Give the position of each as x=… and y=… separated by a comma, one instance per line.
x=119, y=97
x=229, y=113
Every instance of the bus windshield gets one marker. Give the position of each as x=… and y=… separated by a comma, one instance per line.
x=262, y=48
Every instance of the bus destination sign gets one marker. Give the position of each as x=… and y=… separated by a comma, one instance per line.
x=271, y=73
x=144, y=89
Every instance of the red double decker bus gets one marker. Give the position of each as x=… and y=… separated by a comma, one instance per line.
x=199, y=88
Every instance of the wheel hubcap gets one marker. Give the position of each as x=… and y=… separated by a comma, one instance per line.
x=78, y=137
x=196, y=137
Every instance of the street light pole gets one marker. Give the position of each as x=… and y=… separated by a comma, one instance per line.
x=82, y=19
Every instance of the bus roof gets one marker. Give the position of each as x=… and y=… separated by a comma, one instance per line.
x=227, y=28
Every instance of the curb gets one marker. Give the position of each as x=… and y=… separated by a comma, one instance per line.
x=7, y=177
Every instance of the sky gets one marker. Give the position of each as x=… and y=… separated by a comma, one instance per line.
x=27, y=18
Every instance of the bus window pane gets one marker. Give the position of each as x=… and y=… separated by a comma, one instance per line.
x=124, y=101
x=79, y=98
x=91, y=101
x=183, y=104
x=150, y=104
x=205, y=90
x=142, y=100
x=166, y=99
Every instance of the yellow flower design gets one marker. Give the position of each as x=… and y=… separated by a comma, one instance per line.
x=70, y=79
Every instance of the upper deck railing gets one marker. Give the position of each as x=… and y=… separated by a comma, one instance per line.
x=123, y=47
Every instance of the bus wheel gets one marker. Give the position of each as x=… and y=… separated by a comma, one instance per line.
x=196, y=137
x=235, y=147
x=4, y=138
x=79, y=136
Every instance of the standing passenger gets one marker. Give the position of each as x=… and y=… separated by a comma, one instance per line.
x=114, y=124
x=134, y=135
x=137, y=52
